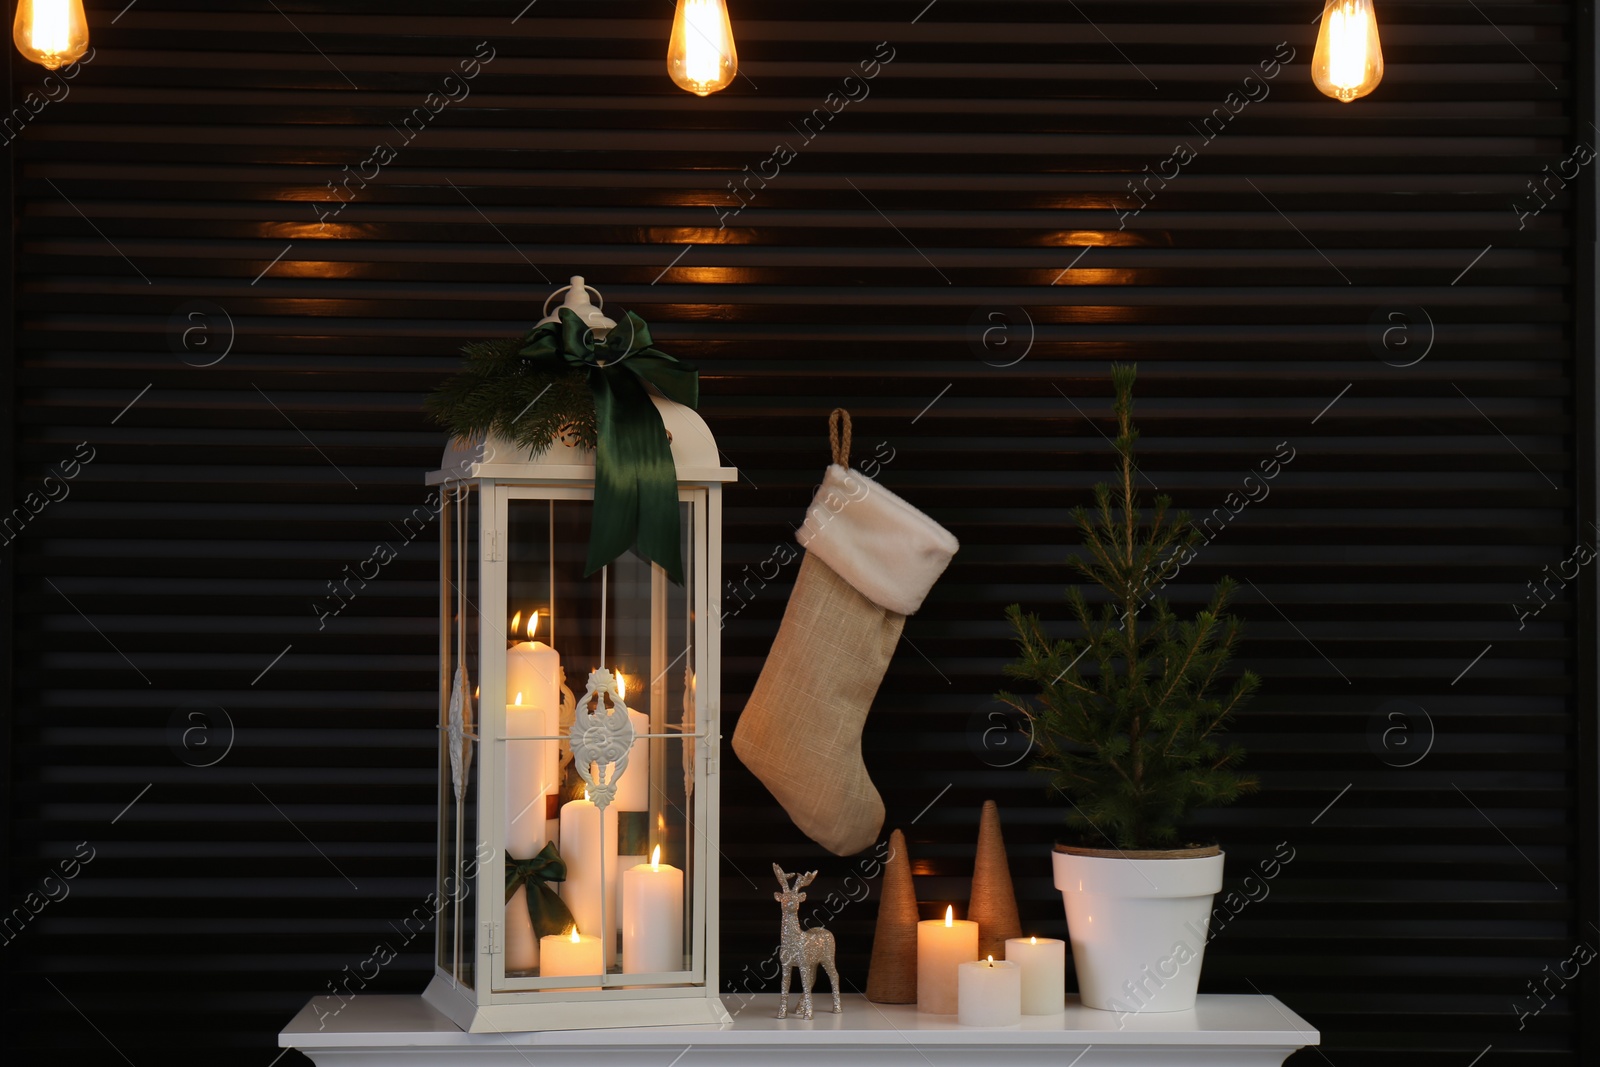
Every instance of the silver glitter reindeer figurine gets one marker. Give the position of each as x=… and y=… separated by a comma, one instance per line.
x=802, y=949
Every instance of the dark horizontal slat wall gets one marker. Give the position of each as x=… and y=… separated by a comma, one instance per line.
x=984, y=174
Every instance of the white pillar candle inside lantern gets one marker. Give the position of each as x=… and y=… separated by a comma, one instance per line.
x=652, y=917
x=570, y=955
x=633, y=803
x=989, y=993
x=633, y=789
x=1044, y=973
x=533, y=709
x=942, y=945
x=583, y=846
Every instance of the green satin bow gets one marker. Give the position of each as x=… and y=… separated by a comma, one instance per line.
x=548, y=912
x=635, y=479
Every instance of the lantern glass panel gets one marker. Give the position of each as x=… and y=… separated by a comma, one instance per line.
x=460, y=856
x=630, y=619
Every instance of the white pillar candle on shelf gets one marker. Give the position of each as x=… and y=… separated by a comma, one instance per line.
x=570, y=955
x=652, y=917
x=989, y=993
x=522, y=948
x=1044, y=973
x=583, y=844
x=942, y=945
x=533, y=709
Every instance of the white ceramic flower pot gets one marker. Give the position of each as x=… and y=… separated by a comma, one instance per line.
x=1138, y=927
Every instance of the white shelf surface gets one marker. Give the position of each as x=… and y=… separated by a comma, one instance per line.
x=1222, y=1031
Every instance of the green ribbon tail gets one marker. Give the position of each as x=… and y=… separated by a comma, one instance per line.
x=548, y=912
x=635, y=479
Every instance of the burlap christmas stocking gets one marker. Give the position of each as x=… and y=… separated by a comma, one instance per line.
x=870, y=560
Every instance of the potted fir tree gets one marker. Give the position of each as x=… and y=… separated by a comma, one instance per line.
x=1127, y=722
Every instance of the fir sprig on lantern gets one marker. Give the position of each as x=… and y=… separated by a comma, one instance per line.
x=1129, y=715
x=498, y=392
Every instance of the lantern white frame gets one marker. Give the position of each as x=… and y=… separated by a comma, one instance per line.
x=501, y=473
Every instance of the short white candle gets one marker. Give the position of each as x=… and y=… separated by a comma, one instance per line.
x=942, y=945
x=1044, y=973
x=990, y=993
x=570, y=955
x=652, y=917
x=583, y=846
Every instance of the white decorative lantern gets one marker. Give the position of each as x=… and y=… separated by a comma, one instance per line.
x=620, y=781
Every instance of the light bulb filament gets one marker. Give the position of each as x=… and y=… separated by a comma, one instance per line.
x=1348, y=47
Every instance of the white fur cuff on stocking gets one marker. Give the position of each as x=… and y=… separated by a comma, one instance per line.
x=891, y=552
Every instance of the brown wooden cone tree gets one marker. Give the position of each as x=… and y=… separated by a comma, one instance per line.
x=994, y=901
x=892, y=974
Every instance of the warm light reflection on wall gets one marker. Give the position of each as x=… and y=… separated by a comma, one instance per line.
x=1081, y=276
x=680, y=237
x=1097, y=238
x=714, y=275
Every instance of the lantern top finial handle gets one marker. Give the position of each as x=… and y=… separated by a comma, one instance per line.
x=579, y=303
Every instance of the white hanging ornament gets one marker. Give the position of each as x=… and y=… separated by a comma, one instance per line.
x=601, y=739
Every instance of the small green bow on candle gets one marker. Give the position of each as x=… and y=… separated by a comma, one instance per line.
x=635, y=478
x=548, y=912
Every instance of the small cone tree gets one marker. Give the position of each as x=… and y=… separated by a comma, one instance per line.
x=1128, y=716
x=892, y=972
x=993, y=904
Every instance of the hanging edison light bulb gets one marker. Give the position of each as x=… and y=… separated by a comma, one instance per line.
x=1348, y=61
x=700, y=54
x=52, y=33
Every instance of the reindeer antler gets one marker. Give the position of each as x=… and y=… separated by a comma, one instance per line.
x=783, y=879
x=803, y=880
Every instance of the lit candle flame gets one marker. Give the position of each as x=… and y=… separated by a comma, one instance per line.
x=585, y=792
x=1033, y=940
x=575, y=938
x=516, y=621
x=533, y=625
x=655, y=858
x=519, y=697
x=991, y=960
x=622, y=686
x=950, y=915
